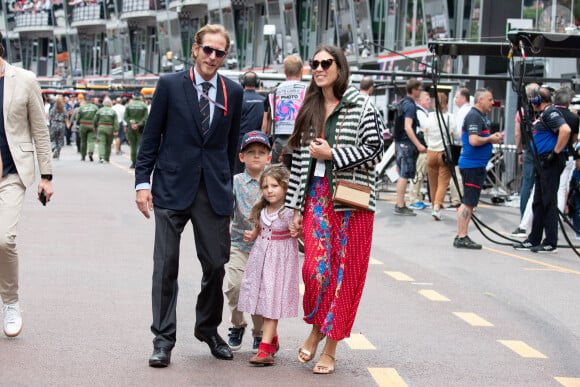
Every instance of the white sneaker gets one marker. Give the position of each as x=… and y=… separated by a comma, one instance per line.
x=436, y=214
x=12, y=320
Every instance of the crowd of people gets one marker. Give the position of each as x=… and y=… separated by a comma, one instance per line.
x=108, y=121
x=255, y=175
x=551, y=147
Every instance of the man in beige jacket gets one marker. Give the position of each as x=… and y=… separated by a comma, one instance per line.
x=22, y=131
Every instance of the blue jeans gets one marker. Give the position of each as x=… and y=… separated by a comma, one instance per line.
x=527, y=181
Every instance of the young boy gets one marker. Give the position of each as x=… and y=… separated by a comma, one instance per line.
x=255, y=154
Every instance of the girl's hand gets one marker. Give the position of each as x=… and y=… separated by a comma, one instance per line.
x=319, y=149
x=250, y=235
x=296, y=225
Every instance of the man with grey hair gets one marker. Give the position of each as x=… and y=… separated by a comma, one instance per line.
x=367, y=86
x=477, y=148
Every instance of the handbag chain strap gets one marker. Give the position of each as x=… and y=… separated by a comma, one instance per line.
x=356, y=141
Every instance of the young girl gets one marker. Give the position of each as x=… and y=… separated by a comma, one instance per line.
x=270, y=284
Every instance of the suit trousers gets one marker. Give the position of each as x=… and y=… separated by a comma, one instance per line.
x=212, y=242
x=11, y=199
x=235, y=272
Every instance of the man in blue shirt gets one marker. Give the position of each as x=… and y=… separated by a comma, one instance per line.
x=477, y=147
x=551, y=134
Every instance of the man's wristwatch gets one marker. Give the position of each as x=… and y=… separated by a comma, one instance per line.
x=47, y=177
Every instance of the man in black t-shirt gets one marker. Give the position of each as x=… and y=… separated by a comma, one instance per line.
x=407, y=146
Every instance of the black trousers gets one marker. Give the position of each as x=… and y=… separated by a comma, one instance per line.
x=212, y=242
x=545, y=202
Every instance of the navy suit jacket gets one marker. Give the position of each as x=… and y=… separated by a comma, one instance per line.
x=174, y=149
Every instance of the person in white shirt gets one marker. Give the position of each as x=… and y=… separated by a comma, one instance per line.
x=437, y=168
x=462, y=102
x=463, y=107
x=119, y=108
x=415, y=196
x=367, y=86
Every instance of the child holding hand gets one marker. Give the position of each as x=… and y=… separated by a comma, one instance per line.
x=255, y=155
x=271, y=280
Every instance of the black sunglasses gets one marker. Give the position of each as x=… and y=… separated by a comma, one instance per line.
x=209, y=50
x=326, y=63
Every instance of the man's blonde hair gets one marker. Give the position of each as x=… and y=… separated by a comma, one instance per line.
x=293, y=66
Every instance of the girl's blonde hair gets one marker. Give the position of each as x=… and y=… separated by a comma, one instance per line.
x=278, y=172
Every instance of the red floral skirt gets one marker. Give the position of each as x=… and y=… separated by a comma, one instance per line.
x=337, y=247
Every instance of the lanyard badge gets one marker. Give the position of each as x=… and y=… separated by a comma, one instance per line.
x=204, y=95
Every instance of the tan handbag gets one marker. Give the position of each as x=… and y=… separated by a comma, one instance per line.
x=352, y=194
x=348, y=193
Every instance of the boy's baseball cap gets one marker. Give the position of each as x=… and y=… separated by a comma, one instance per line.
x=253, y=137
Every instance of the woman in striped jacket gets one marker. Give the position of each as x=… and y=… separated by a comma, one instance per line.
x=337, y=136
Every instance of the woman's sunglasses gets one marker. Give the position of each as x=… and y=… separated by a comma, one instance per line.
x=326, y=63
x=209, y=50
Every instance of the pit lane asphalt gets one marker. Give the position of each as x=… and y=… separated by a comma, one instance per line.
x=86, y=264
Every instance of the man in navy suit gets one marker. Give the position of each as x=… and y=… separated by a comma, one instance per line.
x=190, y=144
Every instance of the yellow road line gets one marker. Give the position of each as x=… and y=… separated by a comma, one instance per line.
x=374, y=261
x=128, y=170
x=387, y=377
x=433, y=295
x=523, y=349
x=533, y=261
x=358, y=341
x=399, y=276
x=473, y=319
x=568, y=382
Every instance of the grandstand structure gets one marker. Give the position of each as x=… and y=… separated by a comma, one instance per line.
x=112, y=43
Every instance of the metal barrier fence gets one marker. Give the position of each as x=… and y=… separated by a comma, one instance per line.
x=503, y=172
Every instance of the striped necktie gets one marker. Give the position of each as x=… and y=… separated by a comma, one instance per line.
x=204, y=105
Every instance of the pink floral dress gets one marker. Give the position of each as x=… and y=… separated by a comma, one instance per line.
x=270, y=286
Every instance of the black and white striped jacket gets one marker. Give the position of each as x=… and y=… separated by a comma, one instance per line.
x=358, y=149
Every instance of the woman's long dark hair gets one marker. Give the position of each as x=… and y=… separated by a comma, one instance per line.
x=312, y=113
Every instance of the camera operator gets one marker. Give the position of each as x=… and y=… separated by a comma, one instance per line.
x=551, y=134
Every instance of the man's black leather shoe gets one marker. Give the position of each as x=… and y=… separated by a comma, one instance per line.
x=219, y=348
x=161, y=358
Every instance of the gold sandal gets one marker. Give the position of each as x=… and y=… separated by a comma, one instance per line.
x=324, y=370
x=306, y=353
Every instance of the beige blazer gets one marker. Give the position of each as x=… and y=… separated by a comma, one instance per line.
x=25, y=123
